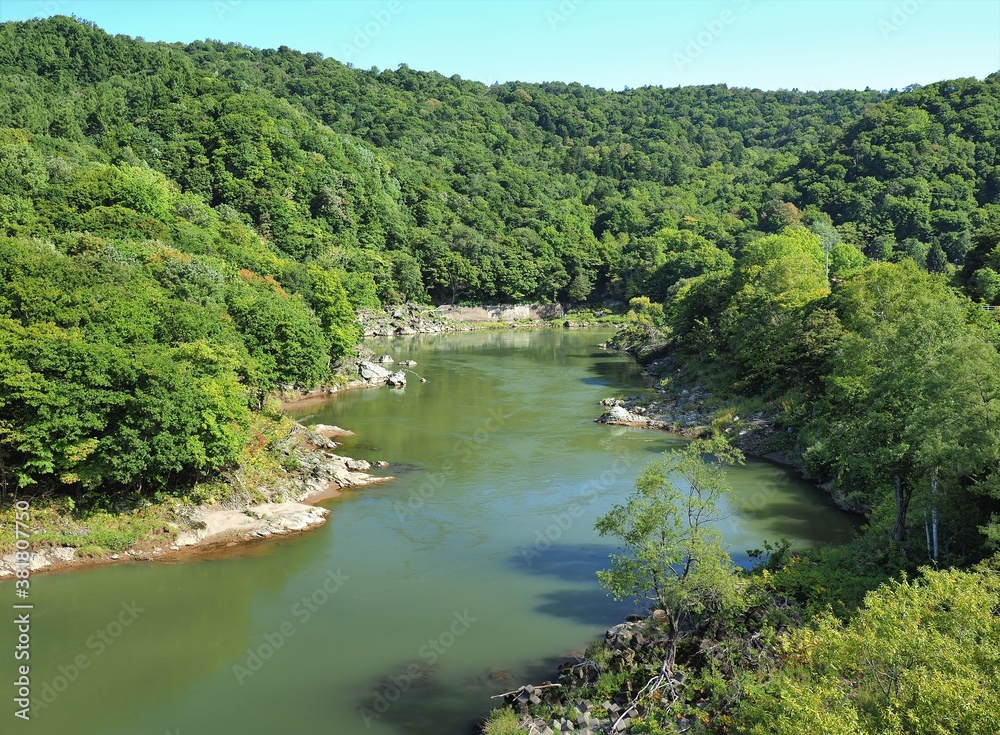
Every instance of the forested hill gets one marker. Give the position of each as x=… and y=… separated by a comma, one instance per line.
x=444, y=188
x=184, y=228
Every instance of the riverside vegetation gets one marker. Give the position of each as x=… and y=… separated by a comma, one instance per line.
x=186, y=230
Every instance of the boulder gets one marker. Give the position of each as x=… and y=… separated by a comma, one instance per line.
x=329, y=430
x=385, y=360
x=63, y=553
x=397, y=379
x=373, y=373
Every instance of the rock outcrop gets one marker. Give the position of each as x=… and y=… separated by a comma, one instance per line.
x=404, y=319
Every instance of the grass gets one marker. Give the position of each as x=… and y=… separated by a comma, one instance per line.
x=53, y=523
x=502, y=722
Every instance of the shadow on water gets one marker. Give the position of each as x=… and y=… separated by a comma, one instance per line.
x=599, y=355
x=413, y=700
x=424, y=704
x=567, y=562
x=585, y=606
x=618, y=373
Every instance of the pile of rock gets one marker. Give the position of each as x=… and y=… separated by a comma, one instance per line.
x=684, y=413
x=581, y=719
x=403, y=319
x=374, y=374
x=636, y=646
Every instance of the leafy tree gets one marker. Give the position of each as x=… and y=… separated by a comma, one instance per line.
x=674, y=558
x=920, y=657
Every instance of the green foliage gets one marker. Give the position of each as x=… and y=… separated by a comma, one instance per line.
x=443, y=188
x=186, y=227
x=674, y=558
x=502, y=722
x=919, y=657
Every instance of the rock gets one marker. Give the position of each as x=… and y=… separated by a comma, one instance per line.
x=621, y=415
x=408, y=363
x=385, y=360
x=397, y=379
x=373, y=373
x=185, y=539
x=358, y=465
x=329, y=430
x=63, y=553
x=35, y=561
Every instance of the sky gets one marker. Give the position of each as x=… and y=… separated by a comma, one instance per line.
x=768, y=44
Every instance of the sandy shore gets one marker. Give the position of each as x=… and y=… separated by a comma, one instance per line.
x=212, y=530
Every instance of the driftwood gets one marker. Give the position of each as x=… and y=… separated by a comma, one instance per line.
x=526, y=689
x=663, y=680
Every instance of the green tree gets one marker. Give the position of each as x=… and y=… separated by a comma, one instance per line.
x=921, y=657
x=673, y=554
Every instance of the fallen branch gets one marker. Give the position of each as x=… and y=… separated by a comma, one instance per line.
x=524, y=688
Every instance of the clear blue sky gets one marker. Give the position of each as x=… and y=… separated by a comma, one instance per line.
x=804, y=44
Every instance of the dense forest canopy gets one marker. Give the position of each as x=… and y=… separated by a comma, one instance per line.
x=196, y=225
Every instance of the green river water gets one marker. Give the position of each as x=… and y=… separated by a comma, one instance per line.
x=420, y=597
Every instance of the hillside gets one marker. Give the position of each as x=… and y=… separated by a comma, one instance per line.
x=197, y=223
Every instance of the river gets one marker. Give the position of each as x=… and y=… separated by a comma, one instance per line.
x=419, y=598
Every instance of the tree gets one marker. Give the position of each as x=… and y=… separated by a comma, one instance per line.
x=919, y=657
x=674, y=558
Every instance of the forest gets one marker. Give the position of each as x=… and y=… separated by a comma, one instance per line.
x=185, y=229
x=251, y=199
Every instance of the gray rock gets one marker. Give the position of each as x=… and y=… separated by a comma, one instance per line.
x=331, y=430
x=63, y=553
x=373, y=373
x=396, y=379
x=385, y=360
x=620, y=413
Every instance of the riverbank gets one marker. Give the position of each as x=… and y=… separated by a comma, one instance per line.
x=687, y=409
x=410, y=319
x=310, y=472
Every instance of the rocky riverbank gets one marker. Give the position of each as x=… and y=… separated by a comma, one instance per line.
x=690, y=411
x=312, y=472
x=409, y=319
x=609, y=687
x=405, y=319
